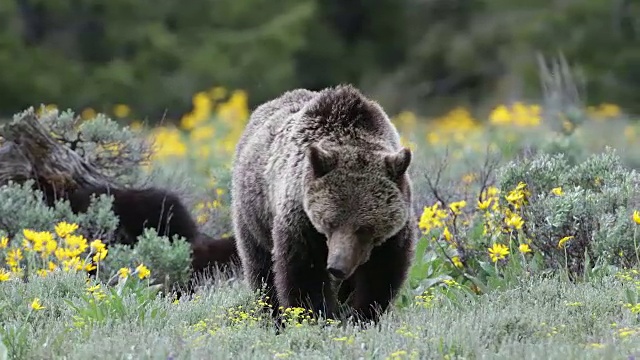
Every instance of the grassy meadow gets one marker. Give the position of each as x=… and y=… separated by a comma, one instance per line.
x=528, y=247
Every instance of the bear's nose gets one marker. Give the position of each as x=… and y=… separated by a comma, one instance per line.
x=337, y=273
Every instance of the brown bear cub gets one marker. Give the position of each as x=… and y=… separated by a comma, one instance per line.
x=161, y=210
x=321, y=195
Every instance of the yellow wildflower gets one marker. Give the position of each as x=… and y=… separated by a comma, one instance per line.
x=49, y=247
x=447, y=234
x=4, y=242
x=121, y=110
x=524, y=248
x=431, y=218
x=456, y=206
x=514, y=221
x=564, y=241
x=457, y=262
x=13, y=257
x=143, y=271
x=557, y=191
x=450, y=282
x=500, y=115
x=73, y=263
x=498, y=251
x=63, y=229
x=88, y=113
x=37, y=238
x=484, y=205
x=35, y=304
x=517, y=197
x=42, y=272
x=201, y=218
x=636, y=217
x=4, y=275
x=89, y=267
x=490, y=192
x=100, y=255
x=97, y=245
x=123, y=273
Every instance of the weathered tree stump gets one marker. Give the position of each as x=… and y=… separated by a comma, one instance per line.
x=29, y=151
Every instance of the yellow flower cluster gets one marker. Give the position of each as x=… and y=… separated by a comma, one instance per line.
x=62, y=250
x=211, y=128
x=59, y=251
x=519, y=114
x=298, y=316
x=456, y=125
x=498, y=220
x=461, y=128
x=432, y=218
x=241, y=316
x=604, y=111
x=504, y=219
x=142, y=271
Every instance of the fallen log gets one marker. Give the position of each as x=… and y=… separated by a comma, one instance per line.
x=29, y=152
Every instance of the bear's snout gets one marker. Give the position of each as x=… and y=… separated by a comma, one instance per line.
x=342, y=255
x=337, y=272
x=338, y=266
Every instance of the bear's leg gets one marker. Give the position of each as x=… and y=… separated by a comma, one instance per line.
x=300, y=271
x=256, y=264
x=379, y=279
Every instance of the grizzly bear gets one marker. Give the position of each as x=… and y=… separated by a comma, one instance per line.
x=321, y=195
x=155, y=208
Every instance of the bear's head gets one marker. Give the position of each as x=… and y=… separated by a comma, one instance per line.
x=358, y=199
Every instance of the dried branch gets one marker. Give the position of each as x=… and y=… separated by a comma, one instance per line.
x=434, y=184
x=487, y=172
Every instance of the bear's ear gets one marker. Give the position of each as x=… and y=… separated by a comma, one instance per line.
x=398, y=163
x=321, y=161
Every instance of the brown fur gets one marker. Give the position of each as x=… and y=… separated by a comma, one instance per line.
x=320, y=191
x=209, y=252
x=161, y=210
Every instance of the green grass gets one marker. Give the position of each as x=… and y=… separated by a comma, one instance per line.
x=539, y=319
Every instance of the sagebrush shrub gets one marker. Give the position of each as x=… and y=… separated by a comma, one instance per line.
x=22, y=207
x=170, y=261
x=545, y=213
x=592, y=208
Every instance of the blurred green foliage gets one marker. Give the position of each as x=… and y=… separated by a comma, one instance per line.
x=410, y=54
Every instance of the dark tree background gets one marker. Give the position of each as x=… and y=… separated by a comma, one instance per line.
x=422, y=55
